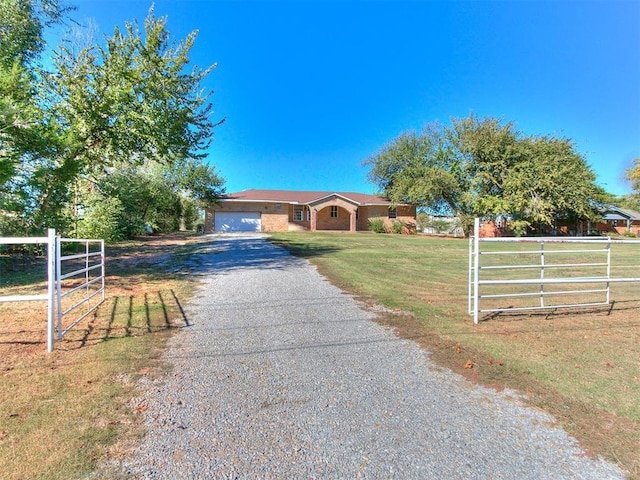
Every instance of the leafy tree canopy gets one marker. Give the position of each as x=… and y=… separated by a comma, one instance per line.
x=482, y=167
x=22, y=25
x=630, y=201
x=126, y=104
x=633, y=175
x=131, y=99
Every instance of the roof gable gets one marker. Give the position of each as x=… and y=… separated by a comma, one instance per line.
x=302, y=197
x=617, y=213
x=332, y=196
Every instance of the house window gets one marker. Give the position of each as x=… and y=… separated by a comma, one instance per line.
x=334, y=211
x=614, y=223
x=298, y=213
x=393, y=212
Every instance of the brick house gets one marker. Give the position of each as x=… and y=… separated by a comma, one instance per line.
x=618, y=220
x=615, y=220
x=288, y=210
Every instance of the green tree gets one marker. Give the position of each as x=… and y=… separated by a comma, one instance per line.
x=105, y=217
x=22, y=128
x=22, y=25
x=419, y=169
x=481, y=167
x=198, y=180
x=105, y=109
x=630, y=201
x=133, y=198
x=446, y=170
x=130, y=103
x=26, y=139
x=131, y=100
x=633, y=175
x=550, y=181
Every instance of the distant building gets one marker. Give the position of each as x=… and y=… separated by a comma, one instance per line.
x=617, y=220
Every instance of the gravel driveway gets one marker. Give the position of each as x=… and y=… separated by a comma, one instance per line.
x=283, y=376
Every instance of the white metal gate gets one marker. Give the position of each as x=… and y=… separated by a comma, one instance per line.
x=67, y=291
x=580, y=278
x=79, y=281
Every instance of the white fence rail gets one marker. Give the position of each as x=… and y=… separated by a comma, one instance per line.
x=84, y=284
x=586, y=261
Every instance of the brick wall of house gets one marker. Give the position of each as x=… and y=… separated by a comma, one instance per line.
x=326, y=222
x=489, y=230
x=405, y=214
x=635, y=227
x=363, y=218
x=607, y=227
x=275, y=222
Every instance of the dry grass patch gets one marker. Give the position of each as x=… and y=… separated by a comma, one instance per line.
x=62, y=412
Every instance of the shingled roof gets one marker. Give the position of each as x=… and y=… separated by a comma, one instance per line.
x=617, y=213
x=301, y=197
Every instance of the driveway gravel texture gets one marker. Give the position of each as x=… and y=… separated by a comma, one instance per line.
x=281, y=375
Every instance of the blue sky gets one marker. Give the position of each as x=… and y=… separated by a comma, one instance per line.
x=310, y=89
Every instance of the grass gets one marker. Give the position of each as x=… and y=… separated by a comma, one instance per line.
x=61, y=413
x=581, y=365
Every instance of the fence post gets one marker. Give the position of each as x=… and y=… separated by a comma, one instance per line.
x=59, y=287
x=476, y=270
x=470, y=277
x=51, y=286
x=542, y=264
x=102, y=269
x=608, y=270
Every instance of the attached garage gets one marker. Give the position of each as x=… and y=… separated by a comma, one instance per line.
x=237, y=222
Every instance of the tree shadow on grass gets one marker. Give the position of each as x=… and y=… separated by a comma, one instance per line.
x=304, y=250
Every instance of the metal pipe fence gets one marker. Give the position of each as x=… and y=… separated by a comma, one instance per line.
x=587, y=261
x=64, y=294
x=80, y=286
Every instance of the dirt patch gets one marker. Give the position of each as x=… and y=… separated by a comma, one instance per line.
x=147, y=250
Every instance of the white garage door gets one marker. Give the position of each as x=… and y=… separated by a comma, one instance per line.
x=237, y=222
